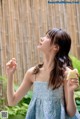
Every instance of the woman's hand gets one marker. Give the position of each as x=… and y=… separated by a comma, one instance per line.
x=72, y=84
x=11, y=67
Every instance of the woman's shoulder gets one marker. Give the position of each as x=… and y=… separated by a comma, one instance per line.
x=31, y=69
x=30, y=73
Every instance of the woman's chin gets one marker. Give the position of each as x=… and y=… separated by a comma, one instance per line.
x=38, y=46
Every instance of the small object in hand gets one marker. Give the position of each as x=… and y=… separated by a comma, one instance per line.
x=71, y=74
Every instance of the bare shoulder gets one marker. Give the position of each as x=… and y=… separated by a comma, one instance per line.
x=30, y=70
x=29, y=74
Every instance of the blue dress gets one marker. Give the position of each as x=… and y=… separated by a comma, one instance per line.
x=47, y=103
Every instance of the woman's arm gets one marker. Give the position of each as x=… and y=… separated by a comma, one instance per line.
x=69, y=87
x=15, y=97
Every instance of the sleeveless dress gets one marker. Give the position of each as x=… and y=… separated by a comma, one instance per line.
x=47, y=103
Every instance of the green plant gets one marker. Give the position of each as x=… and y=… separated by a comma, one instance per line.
x=77, y=98
x=3, y=98
x=19, y=111
x=76, y=64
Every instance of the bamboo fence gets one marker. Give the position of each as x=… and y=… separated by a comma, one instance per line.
x=23, y=22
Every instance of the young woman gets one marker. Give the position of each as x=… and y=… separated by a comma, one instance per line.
x=53, y=94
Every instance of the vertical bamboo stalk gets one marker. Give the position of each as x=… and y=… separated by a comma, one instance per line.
x=24, y=22
x=0, y=38
x=4, y=37
x=74, y=27
x=17, y=40
x=77, y=30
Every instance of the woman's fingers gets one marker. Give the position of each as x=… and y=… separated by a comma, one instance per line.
x=11, y=66
x=74, y=82
x=11, y=63
x=13, y=59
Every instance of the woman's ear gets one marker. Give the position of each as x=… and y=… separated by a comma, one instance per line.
x=56, y=48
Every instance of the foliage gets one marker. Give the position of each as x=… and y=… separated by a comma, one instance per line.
x=3, y=99
x=77, y=98
x=76, y=64
x=20, y=110
x=4, y=82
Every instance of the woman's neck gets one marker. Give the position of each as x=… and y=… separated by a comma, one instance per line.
x=48, y=61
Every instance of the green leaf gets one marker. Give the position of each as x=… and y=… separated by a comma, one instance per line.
x=75, y=62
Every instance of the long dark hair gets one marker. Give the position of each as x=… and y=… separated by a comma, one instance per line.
x=63, y=40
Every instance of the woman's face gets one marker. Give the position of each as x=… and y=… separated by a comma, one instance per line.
x=44, y=44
